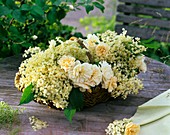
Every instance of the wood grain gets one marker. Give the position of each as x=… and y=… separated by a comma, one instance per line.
x=143, y=21
x=140, y=10
x=151, y=17
x=156, y=3
x=145, y=33
x=90, y=121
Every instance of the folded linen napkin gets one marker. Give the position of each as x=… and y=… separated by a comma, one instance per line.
x=154, y=115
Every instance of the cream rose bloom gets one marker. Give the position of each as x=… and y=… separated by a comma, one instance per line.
x=141, y=64
x=102, y=49
x=109, y=81
x=85, y=76
x=96, y=76
x=106, y=70
x=80, y=74
x=91, y=41
x=111, y=84
x=66, y=62
x=132, y=129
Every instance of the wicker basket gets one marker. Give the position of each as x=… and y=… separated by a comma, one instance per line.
x=98, y=95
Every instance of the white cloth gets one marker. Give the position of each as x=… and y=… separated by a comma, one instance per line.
x=154, y=115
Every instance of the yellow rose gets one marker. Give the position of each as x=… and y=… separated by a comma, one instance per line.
x=132, y=129
x=66, y=62
x=102, y=49
x=112, y=84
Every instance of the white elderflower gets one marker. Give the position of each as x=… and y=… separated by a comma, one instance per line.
x=32, y=51
x=52, y=42
x=66, y=62
x=37, y=124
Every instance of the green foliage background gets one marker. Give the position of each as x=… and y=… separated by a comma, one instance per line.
x=20, y=20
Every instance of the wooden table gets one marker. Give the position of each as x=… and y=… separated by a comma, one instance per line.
x=90, y=121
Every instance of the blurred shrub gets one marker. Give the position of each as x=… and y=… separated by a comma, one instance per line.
x=157, y=50
x=97, y=24
x=25, y=23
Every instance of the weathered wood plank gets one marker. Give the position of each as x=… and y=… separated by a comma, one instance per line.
x=157, y=3
x=155, y=12
x=90, y=121
x=142, y=21
x=145, y=33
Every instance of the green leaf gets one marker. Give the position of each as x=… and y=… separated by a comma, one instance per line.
x=61, y=14
x=16, y=48
x=51, y=15
x=101, y=1
x=37, y=12
x=4, y=10
x=11, y=4
x=69, y=113
x=89, y=8
x=152, y=45
x=76, y=99
x=57, y=3
x=3, y=33
x=14, y=30
x=75, y=103
x=27, y=45
x=72, y=1
x=99, y=6
x=52, y=1
x=1, y=2
x=40, y=3
x=18, y=15
x=148, y=40
x=27, y=95
x=25, y=7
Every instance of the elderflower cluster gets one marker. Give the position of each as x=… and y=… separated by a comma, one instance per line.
x=108, y=60
x=122, y=127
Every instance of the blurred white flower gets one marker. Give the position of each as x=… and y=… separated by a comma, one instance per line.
x=34, y=37
x=71, y=7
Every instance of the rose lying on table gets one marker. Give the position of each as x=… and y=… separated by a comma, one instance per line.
x=123, y=127
x=60, y=75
